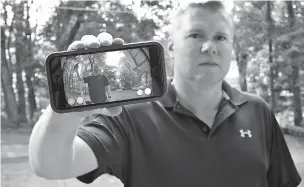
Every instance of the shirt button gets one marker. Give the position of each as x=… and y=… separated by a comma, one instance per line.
x=205, y=129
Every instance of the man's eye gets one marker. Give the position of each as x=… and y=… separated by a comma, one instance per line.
x=194, y=35
x=221, y=38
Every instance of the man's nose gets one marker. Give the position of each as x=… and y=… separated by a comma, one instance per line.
x=208, y=47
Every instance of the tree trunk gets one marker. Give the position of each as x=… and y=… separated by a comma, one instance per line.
x=31, y=95
x=20, y=55
x=9, y=37
x=29, y=73
x=68, y=36
x=6, y=82
x=242, y=61
x=296, y=90
x=65, y=38
x=270, y=56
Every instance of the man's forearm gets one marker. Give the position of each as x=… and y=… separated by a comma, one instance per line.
x=108, y=91
x=51, y=143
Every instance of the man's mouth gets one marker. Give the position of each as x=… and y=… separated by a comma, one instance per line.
x=208, y=64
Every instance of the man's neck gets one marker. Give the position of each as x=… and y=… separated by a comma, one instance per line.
x=201, y=100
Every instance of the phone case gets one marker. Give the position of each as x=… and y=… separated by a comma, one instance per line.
x=161, y=70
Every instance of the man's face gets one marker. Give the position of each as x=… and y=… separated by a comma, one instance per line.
x=96, y=71
x=202, y=45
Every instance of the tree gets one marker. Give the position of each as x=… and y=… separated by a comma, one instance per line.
x=111, y=74
x=161, y=12
x=125, y=74
x=9, y=29
x=294, y=53
x=20, y=54
x=248, y=22
x=270, y=54
x=6, y=83
x=273, y=50
x=93, y=17
x=65, y=24
x=19, y=32
x=31, y=98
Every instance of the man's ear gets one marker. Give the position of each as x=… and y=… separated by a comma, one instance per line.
x=170, y=47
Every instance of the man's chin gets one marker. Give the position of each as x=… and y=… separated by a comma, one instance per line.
x=201, y=79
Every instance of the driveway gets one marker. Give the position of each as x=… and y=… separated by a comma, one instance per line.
x=16, y=171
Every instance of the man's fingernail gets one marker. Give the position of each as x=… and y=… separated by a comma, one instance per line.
x=93, y=45
x=105, y=38
x=105, y=42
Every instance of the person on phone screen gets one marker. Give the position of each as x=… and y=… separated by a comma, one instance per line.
x=203, y=133
x=99, y=87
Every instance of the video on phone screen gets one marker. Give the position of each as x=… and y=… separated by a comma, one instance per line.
x=107, y=77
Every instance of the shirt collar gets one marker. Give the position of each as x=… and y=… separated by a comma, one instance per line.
x=232, y=94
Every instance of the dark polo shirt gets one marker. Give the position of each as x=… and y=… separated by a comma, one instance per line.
x=162, y=144
x=97, y=88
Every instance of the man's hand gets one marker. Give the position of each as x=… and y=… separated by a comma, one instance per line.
x=55, y=150
x=90, y=41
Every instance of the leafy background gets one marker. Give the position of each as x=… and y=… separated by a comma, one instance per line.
x=267, y=61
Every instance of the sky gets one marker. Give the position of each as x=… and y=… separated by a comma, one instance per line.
x=113, y=58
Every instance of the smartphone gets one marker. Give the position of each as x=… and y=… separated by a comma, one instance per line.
x=107, y=76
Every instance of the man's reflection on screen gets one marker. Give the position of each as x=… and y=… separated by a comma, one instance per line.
x=99, y=86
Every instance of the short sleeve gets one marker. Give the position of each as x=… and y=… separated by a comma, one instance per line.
x=85, y=79
x=106, y=82
x=282, y=170
x=108, y=141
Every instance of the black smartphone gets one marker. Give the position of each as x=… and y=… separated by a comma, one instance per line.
x=107, y=76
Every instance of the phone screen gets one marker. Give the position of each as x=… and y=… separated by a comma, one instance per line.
x=103, y=77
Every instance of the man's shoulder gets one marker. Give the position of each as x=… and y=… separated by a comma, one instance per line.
x=132, y=115
x=87, y=77
x=101, y=76
x=144, y=107
x=255, y=100
x=137, y=110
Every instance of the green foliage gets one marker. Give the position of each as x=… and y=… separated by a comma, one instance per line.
x=252, y=35
x=71, y=20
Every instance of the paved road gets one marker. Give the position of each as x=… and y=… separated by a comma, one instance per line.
x=296, y=147
x=19, y=175
x=16, y=172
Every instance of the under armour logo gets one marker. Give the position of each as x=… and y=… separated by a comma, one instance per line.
x=244, y=133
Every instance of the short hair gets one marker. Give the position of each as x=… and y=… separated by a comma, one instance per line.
x=204, y=4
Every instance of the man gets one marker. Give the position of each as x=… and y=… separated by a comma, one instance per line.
x=204, y=133
x=99, y=87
